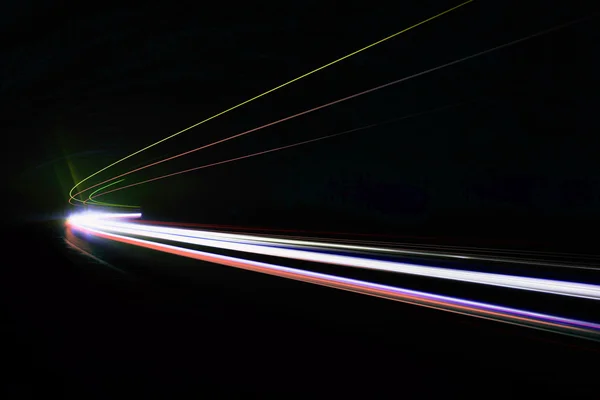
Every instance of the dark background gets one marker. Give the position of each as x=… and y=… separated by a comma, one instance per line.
x=514, y=163
x=515, y=157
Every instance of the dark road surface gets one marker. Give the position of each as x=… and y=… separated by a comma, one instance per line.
x=170, y=328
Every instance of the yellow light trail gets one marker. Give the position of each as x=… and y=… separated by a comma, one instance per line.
x=71, y=197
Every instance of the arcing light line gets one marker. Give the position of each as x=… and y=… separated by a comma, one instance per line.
x=107, y=204
x=269, y=91
x=266, y=126
x=272, y=150
x=105, y=186
x=525, y=318
x=549, y=286
x=546, y=31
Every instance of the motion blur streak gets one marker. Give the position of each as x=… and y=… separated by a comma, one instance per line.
x=450, y=252
x=209, y=239
x=572, y=327
x=90, y=216
x=481, y=53
x=72, y=197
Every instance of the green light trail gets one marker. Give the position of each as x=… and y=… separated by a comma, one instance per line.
x=100, y=203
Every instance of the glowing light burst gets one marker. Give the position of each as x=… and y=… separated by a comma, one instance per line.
x=525, y=318
x=72, y=197
x=87, y=217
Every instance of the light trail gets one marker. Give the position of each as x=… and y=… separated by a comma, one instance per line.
x=525, y=318
x=254, y=130
x=270, y=150
x=106, y=204
x=449, y=252
x=398, y=81
x=89, y=216
x=72, y=197
x=97, y=190
x=474, y=253
x=233, y=242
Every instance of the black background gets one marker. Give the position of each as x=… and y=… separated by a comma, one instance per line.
x=512, y=163
x=514, y=156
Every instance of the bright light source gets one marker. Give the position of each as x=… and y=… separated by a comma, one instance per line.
x=91, y=216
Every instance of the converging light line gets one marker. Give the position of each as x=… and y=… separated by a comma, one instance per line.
x=430, y=70
x=583, y=329
x=270, y=151
x=72, y=197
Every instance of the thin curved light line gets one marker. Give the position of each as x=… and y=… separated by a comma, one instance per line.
x=275, y=149
x=107, y=204
x=267, y=92
x=97, y=190
x=546, y=31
